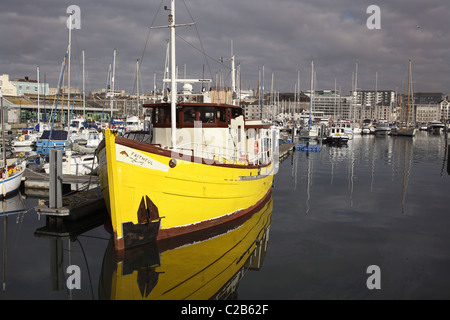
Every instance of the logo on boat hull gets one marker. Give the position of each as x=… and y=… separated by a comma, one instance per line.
x=134, y=157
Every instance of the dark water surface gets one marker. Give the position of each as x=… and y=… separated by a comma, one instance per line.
x=381, y=201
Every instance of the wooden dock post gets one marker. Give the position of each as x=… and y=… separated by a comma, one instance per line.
x=55, y=187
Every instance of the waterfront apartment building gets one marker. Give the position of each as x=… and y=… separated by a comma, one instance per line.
x=8, y=89
x=332, y=105
x=445, y=108
x=427, y=106
x=20, y=87
x=428, y=98
x=379, y=104
x=425, y=113
x=28, y=86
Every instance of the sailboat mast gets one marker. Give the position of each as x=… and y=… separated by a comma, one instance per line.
x=113, y=76
x=68, y=72
x=39, y=91
x=173, y=88
x=233, y=76
x=352, y=111
x=137, y=88
x=3, y=136
x=84, y=90
x=311, y=95
x=409, y=90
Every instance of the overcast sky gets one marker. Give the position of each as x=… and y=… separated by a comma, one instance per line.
x=283, y=36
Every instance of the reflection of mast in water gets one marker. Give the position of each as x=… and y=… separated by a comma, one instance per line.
x=294, y=163
x=5, y=231
x=406, y=172
x=351, y=175
x=308, y=186
x=446, y=153
x=443, y=163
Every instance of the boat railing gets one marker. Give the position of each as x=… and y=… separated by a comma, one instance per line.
x=220, y=154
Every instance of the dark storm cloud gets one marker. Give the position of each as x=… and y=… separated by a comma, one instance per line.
x=283, y=36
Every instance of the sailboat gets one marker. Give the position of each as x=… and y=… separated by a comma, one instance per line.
x=407, y=130
x=205, y=166
x=10, y=174
x=52, y=138
x=311, y=130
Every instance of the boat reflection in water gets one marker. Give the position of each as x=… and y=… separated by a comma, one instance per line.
x=203, y=266
x=12, y=205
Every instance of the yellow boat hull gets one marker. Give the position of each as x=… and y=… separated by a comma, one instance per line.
x=153, y=194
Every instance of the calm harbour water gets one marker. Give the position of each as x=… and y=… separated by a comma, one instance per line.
x=379, y=201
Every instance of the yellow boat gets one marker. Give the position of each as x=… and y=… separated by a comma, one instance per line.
x=202, y=166
x=154, y=193
x=193, y=269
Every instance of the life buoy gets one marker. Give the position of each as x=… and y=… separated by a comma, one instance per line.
x=256, y=147
x=21, y=138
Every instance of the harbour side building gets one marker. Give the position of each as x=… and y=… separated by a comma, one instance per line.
x=376, y=105
x=332, y=105
x=429, y=106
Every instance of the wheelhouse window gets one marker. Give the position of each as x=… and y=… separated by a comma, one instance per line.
x=236, y=112
x=207, y=114
x=189, y=114
x=221, y=115
x=161, y=115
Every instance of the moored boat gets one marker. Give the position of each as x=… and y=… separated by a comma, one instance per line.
x=367, y=127
x=11, y=178
x=52, y=139
x=406, y=128
x=205, y=166
x=436, y=126
x=27, y=138
x=337, y=134
x=382, y=128
x=77, y=164
x=10, y=173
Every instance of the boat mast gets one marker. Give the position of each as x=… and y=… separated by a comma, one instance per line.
x=84, y=91
x=311, y=95
x=39, y=89
x=173, y=88
x=3, y=138
x=409, y=89
x=233, y=77
x=68, y=72
x=352, y=111
x=137, y=88
x=112, y=82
